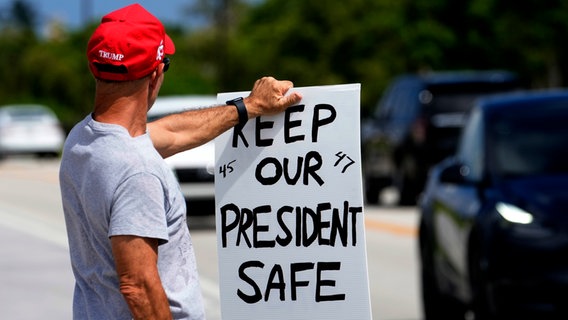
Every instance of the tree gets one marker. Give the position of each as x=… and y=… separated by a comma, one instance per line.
x=530, y=36
x=23, y=16
x=16, y=38
x=309, y=42
x=317, y=43
x=371, y=41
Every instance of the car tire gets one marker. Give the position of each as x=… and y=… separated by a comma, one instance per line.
x=47, y=155
x=406, y=181
x=372, y=190
x=479, y=284
x=432, y=302
x=435, y=305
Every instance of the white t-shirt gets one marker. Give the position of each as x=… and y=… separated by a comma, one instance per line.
x=113, y=184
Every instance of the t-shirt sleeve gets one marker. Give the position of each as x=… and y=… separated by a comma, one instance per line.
x=138, y=208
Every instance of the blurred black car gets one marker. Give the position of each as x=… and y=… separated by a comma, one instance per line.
x=494, y=219
x=416, y=124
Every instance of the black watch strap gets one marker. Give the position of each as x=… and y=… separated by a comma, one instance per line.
x=241, y=109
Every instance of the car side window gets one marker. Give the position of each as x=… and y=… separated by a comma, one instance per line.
x=471, y=151
x=398, y=103
x=386, y=104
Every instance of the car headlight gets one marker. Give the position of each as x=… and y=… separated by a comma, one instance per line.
x=522, y=224
x=514, y=214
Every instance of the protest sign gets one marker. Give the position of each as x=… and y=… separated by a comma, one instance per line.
x=289, y=211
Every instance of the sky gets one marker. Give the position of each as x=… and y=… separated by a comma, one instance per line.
x=72, y=13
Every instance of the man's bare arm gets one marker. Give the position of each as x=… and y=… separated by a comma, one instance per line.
x=183, y=131
x=136, y=261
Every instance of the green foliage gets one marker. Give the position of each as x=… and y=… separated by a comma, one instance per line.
x=308, y=42
x=189, y=71
x=321, y=42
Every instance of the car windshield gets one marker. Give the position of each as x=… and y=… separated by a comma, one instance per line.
x=459, y=97
x=29, y=114
x=530, y=141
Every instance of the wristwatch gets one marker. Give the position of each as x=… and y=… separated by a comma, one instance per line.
x=241, y=109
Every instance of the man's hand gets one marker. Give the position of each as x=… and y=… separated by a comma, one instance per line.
x=268, y=97
x=186, y=130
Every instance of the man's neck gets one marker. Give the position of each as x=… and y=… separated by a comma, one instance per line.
x=127, y=108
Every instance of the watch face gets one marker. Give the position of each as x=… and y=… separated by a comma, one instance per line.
x=235, y=100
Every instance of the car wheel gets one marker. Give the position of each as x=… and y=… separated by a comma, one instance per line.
x=432, y=302
x=435, y=305
x=372, y=190
x=406, y=181
x=479, y=285
x=46, y=155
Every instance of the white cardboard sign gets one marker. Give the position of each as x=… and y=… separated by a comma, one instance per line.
x=289, y=212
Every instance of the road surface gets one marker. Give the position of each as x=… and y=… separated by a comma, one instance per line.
x=36, y=278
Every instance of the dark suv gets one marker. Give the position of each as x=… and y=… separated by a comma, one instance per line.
x=417, y=123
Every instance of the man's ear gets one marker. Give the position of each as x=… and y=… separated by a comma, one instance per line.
x=154, y=78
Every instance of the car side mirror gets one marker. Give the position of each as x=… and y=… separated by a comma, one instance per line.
x=456, y=173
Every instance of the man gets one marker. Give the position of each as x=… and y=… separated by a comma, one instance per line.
x=130, y=247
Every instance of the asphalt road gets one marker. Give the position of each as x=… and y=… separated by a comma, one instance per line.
x=36, y=280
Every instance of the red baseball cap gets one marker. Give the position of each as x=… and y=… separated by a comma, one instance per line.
x=128, y=45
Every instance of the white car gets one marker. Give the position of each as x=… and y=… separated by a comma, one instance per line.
x=30, y=129
x=193, y=168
